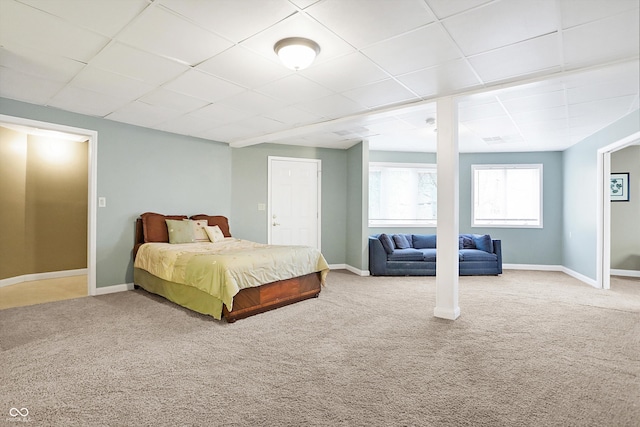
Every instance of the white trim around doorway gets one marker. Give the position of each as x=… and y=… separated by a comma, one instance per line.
x=92, y=138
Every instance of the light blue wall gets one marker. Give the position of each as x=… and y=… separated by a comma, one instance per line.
x=249, y=183
x=581, y=197
x=520, y=245
x=141, y=170
x=357, y=206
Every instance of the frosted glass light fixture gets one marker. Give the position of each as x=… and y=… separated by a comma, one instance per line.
x=296, y=53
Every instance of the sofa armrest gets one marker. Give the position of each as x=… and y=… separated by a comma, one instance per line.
x=377, y=257
x=497, y=249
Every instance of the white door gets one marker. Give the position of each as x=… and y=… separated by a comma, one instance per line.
x=294, y=201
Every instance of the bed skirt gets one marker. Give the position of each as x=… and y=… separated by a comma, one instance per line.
x=247, y=302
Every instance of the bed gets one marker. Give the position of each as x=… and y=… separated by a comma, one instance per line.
x=227, y=279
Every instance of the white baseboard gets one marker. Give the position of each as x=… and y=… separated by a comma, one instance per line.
x=581, y=277
x=589, y=281
x=625, y=273
x=114, y=288
x=349, y=268
x=534, y=267
x=43, y=276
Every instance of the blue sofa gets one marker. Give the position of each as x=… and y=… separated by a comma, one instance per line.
x=415, y=255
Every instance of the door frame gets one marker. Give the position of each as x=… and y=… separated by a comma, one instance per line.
x=603, y=239
x=92, y=159
x=270, y=161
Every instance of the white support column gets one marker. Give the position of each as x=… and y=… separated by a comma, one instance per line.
x=448, y=218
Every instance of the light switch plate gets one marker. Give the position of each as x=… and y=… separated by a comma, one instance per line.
x=102, y=202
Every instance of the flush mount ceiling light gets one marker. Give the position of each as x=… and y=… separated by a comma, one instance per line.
x=296, y=53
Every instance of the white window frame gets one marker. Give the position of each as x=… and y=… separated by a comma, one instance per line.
x=400, y=222
x=504, y=222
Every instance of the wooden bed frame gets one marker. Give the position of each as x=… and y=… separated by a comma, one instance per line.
x=251, y=301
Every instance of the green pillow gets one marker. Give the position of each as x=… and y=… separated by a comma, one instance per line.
x=180, y=231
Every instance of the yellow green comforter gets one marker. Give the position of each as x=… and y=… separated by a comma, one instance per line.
x=223, y=268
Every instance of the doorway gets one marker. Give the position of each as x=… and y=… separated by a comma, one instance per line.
x=603, y=270
x=294, y=201
x=91, y=136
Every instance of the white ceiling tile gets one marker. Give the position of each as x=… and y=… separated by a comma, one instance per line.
x=605, y=40
x=38, y=64
x=104, y=17
x=539, y=101
x=441, y=79
x=141, y=114
x=23, y=87
x=203, y=86
x=332, y=106
x=378, y=94
x=84, y=101
x=293, y=116
x=169, y=99
x=331, y=74
x=244, y=67
x=520, y=59
x=294, y=88
x=233, y=19
x=128, y=61
x=382, y=20
x=23, y=25
x=261, y=125
x=493, y=126
x=303, y=4
x=536, y=117
x=97, y=80
x=219, y=114
x=480, y=111
x=298, y=25
x=185, y=125
x=501, y=23
x=161, y=32
x=598, y=91
x=446, y=8
x=226, y=133
x=602, y=112
x=253, y=102
x=422, y=48
x=576, y=12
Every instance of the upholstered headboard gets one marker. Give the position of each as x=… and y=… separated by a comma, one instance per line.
x=151, y=227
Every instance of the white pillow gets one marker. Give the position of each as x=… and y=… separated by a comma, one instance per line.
x=198, y=229
x=214, y=233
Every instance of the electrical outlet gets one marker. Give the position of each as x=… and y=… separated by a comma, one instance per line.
x=102, y=202
x=262, y=207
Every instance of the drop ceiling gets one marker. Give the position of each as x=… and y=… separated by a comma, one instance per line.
x=529, y=75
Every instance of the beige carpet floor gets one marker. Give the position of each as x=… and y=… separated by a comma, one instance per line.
x=530, y=349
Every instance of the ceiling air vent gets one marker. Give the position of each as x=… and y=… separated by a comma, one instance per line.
x=493, y=140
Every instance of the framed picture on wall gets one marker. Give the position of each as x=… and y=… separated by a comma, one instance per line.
x=619, y=189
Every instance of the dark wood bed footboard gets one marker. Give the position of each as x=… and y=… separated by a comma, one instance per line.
x=252, y=301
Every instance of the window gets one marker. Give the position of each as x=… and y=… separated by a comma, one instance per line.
x=402, y=194
x=507, y=196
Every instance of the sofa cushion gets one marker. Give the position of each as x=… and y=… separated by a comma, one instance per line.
x=476, y=255
x=428, y=255
x=401, y=241
x=387, y=243
x=465, y=241
x=483, y=242
x=409, y=254
x=424, y=241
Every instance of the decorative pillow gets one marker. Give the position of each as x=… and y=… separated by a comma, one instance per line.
x=154, y=227
x=198, y=229
x=483, y=242
x=180, y=231
x=401, y=241
x=387, y=243
x=424, y=241
x=214, y=233
x=466, y=242
x=219, y=220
